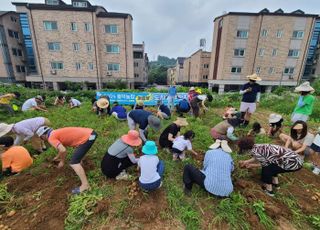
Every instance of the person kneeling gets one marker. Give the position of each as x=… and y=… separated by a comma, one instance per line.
x=14, y=158
x=152, y=168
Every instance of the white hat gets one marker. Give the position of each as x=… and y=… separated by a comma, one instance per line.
x=274, y=118
x=202, y=97
x=304, y=87
x=254, y=77
x=42, y=130
x=223, y=144
x=191, y=88
x=5, y=128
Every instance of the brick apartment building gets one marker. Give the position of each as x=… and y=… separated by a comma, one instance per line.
x=76, y=42
x=12, y=53
x=196, y=68
x=272, y=44
x=140, y=64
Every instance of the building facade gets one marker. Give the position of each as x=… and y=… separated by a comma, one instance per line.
x=196, y=68
x=76, y=42
x=171, y=76
x=140, y=64
x=12, y=52
x=272, y=44
x=179, y=70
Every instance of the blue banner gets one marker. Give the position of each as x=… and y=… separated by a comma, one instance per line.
x=149, y=99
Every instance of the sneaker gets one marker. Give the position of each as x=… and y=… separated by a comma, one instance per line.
x=122, y=176
x=316, y=170
x=269, y=193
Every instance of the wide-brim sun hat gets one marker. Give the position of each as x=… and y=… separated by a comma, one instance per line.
x=274, y=118
x=191, y=88
x=103, y=103
x=298, y=126
x=132, y=138
x=181, y=121
x=5, y=128
x=202, y=97
x=150, y=148
x=304, y=87
x=154, y=122
x=223, y=144
x=254, y=77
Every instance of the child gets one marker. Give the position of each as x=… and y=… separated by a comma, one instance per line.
x=181, y=143
x=315, y=153
x=256, y=130
x=275, y=123
x=152, y=168
x=14, y=158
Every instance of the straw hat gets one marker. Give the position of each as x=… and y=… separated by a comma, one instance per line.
x=191, y=88
x=274, y=118
x=298, y=126
x=140, y=102
x=5, y=128
x=150, y=148
x=103, y=103
x=181, y=121
x=154, y=122
x=254, y=77
x=304, y=87
x=132, y=138
x=223, y=144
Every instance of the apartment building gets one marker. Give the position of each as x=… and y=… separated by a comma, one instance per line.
x=272, y=44
x=171, y=76
x=196, y=68
x=140, y=65
x=76, y=42
x=12, y=53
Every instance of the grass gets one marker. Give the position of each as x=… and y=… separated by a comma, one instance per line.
x=265, y=220
x=5, y=196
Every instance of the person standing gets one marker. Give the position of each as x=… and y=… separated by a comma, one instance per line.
x=79, y=138
x=251, y=92
x=172, y=94
x=304, y=107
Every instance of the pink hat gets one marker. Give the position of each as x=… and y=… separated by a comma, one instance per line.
x=132, y=138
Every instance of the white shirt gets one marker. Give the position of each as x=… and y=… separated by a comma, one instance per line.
x=28, y=104
x=75, y=102
x=182, y=144
x=316, y=140
x=148, y=165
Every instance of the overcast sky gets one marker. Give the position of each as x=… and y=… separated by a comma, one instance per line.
x=174, y=27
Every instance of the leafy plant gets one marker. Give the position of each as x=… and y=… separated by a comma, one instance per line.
x=315, y=221
x=265, y=220
x=5, y=196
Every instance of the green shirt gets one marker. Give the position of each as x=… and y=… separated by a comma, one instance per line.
x=306, y=109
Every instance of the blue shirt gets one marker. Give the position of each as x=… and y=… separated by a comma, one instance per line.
x=184, y=104
x=163, y=108
x=140, y=117
x=217, y=167
x=172, y=91
x=250, y=97
x=121, y=111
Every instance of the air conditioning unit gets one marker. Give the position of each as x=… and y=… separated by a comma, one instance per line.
x=53, y=72
x=109, y=73
x=318, y=46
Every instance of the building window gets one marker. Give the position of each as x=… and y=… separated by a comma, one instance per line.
x=20, y=68
x=264, y=33
x=14, y=52
x=294, y=53
x=19, y=53
x=205, y=77
x=239, y=52
x=54, y=46
x=56, y=65
x=78, y=66
x=271, y=70
x=76, y=46
x=115, y=67
x=13, y=34
x=50, y=25
x=52, y=2
x=297, y=34
x=258, y=69
x=235, y=69
x=206, y=66
x=274, y=52
x=10, y=32
x=73, y=26
x=112, y=48
x=279, y=33
x=313, y=71
x=79, y=4
x=13, y=19
x=87, y=27
x=288, y=70
x=242, y=33
x=136, y=75
x=90, y=66
x=261, y=52
x=135, y=64
x=111, y=29
x=89, y=47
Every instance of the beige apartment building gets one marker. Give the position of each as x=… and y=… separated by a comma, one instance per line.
x=272, y=44
x=140, y=65
x=76, y=42
x=12, y=53
x=171, y=76
x=196, y=68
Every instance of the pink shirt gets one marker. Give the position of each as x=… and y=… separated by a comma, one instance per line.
x=28, y=127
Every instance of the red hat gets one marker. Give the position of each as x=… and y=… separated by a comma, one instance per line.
x=132, y=138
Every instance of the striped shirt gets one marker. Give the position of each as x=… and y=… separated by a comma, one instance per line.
x=217, y=167
x=285, y=158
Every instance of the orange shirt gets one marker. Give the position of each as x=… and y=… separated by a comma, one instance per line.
x=16, y=157
x=69, y=136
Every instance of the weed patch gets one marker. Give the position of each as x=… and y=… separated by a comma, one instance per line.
x=265, y=220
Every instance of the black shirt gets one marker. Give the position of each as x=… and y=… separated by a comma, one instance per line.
x=250, y=97
x=163, y=140
x=163, y=108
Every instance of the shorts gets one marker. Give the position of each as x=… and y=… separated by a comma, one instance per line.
x=177, y=154
x=299, y=117
x=315, y=147
x=250, y=107
x=81, y=150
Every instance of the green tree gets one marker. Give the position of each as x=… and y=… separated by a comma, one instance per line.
x=158, y=75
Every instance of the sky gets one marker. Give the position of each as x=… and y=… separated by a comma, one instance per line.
x=174, y=28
